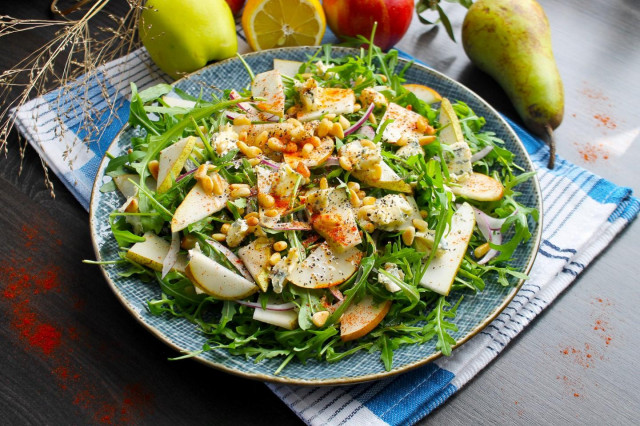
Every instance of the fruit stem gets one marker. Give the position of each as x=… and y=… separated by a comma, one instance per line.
x=552, y=146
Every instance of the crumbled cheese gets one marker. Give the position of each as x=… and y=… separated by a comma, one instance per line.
x=392, y=269
x=390, y=212
x=237, y=232
x=409, y=150
x=361, y=157
x=459, y=161
x=371, y=96
x=225, y=140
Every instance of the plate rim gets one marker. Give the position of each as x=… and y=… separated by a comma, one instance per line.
x=333, y=381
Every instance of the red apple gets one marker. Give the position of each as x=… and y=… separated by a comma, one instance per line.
x=356, y=17
x=236, y=6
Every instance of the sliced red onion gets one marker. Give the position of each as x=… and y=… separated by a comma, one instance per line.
x=231, y=115
x=497, y=239
x=269, y=307
x=235, y=260
x=490, y=229
x=172, y=255
x=481, y=154
x=336, y=293
x=362, y=120
x=184, y=175
x=290, y=226
x=367, y=131
x=269, y=163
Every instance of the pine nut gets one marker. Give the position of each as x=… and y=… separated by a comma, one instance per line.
x=425, y=140
x=275, y=145
x=242, y=136
x=320, y=318
x=344, y=122
x=367, y=143
x=315, y=141
x=481, y=250
x=218, y=188
x=421, y=124
x=324, y=127
x=330, y=116
x=219, y=237
x=353, y=186
x=207, y=184
x=303, y=170
x=271, y=213
x=252, y=221
x=337, y=130
x=403, y=141
x=275, y=258
x=408, y=235
x=307, y=149
x=291, y=148
x=261, y=139
x=369, y=201
x=345, y=163
x=424, y=214
x=225, y=228
x=154, y=167
x=241, y=120
x=242, y=146
x=357, y=107
x=250, y=215
x=372, y=119
x=369, y=227
x=254, y=161
x=238, y=186
x=280, y=245
x=324, y=183
x=294, y=121
x=240, y=193
x=362, y=194
x=266, y=200
x=354, y=200
x=420, y=225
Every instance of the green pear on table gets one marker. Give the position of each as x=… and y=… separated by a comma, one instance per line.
x=511, y=41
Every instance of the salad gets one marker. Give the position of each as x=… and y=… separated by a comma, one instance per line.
x=325, y=209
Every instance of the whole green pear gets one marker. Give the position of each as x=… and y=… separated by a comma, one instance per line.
x=511, y=41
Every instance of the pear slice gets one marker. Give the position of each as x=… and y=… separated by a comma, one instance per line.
x=152, y=251
x=317, y=157
x=479, y=187
x=216, y=280
x=255, y=257
x=174, y=102
x=197, y=205
x=424, y=93
x=284, y=319
x=362, y=317
x=171, y=162
x=389, y=179
x=268, y=85
x=325, y=267
x=450, y=132
x=286, y=67
x=443, y=269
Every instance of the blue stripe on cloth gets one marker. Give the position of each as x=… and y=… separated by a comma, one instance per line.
x=425, y=384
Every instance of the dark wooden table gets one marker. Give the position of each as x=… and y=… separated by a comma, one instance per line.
x=71, y=354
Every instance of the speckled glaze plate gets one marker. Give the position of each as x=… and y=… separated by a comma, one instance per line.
x=475, y=312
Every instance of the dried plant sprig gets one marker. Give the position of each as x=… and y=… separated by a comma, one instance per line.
x=82, y=47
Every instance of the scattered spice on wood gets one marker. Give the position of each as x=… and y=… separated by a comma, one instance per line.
x=23, y=287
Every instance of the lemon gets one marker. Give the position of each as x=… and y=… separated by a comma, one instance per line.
x=278, y=23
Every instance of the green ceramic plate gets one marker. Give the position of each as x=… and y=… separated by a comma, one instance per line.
x=475, y=313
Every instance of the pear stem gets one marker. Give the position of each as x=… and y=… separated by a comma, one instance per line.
x=552, y=146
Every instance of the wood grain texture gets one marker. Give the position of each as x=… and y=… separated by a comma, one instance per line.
x=533, y=381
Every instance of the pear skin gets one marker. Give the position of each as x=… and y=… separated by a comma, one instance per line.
x=511, y=41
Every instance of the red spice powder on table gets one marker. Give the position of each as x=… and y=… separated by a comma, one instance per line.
x=22, y=285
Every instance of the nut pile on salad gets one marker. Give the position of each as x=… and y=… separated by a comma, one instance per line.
x=325, y=209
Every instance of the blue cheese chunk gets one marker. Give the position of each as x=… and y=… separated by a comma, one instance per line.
x=459, y=161
x=390, y=212
x=237, y=232
x=392, y=269
x=360, y=156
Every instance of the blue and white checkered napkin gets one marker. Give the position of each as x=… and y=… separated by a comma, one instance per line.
x=583, y=213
